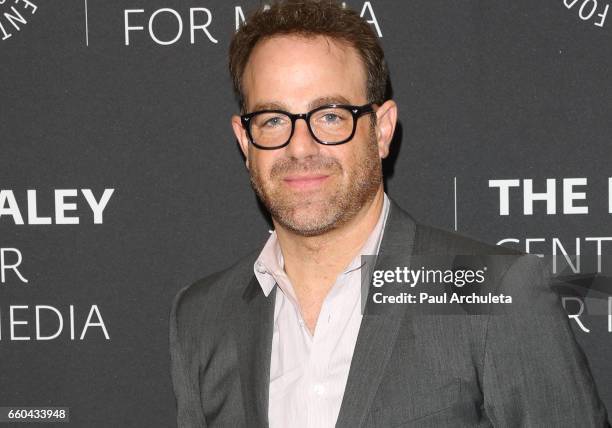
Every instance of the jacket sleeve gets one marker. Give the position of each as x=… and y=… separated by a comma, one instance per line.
x=184, y=365
x=535, y=374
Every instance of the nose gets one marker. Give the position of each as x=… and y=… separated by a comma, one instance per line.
x=302, y=143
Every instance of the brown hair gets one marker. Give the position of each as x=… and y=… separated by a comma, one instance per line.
x=310, y=18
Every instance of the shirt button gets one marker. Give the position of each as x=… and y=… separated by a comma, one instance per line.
x=319, y=389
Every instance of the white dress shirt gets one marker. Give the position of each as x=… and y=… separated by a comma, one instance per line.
x=308, y=373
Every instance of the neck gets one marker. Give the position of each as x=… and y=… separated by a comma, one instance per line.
x=314, y=262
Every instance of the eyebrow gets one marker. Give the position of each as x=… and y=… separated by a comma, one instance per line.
x=276, y=105
x=334, y=99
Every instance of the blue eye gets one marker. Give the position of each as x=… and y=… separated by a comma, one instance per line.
x=274, y=122
x=331, y=118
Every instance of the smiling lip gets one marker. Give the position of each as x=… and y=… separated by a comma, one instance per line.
x=305, y=181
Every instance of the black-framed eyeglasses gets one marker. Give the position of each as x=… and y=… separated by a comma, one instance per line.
x=330, y=124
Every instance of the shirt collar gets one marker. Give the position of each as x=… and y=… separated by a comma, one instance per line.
x=269, y=266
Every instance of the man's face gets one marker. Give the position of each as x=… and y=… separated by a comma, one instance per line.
x=310, y=188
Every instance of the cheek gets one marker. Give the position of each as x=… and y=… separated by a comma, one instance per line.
x=364, y=146
x=367, y=129
x=260, y=163
x=349, y=157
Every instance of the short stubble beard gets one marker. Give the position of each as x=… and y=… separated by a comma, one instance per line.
x=336, y=209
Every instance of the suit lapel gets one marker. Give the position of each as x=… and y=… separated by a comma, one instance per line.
x=254, y=332
x=377, y=332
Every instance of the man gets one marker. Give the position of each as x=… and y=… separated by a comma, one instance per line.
x=280, y=338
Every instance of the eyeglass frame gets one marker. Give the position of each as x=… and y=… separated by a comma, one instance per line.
x=356, y=111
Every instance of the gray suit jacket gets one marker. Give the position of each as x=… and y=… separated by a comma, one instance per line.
x=516, y=370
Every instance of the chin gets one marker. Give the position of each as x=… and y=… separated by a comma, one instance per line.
x=310, y=222
x=309, y=229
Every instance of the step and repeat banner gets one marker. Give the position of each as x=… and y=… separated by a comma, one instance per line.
x=121, y=181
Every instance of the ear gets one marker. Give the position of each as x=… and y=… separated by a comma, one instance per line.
x=386, y=119
x=242, y=138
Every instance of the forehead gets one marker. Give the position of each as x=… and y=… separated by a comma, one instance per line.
x=295, y=70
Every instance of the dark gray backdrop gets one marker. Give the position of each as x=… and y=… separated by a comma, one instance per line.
x=487, y=90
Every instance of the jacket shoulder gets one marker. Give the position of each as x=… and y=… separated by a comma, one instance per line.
x=209, y=297
x=430, y=242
